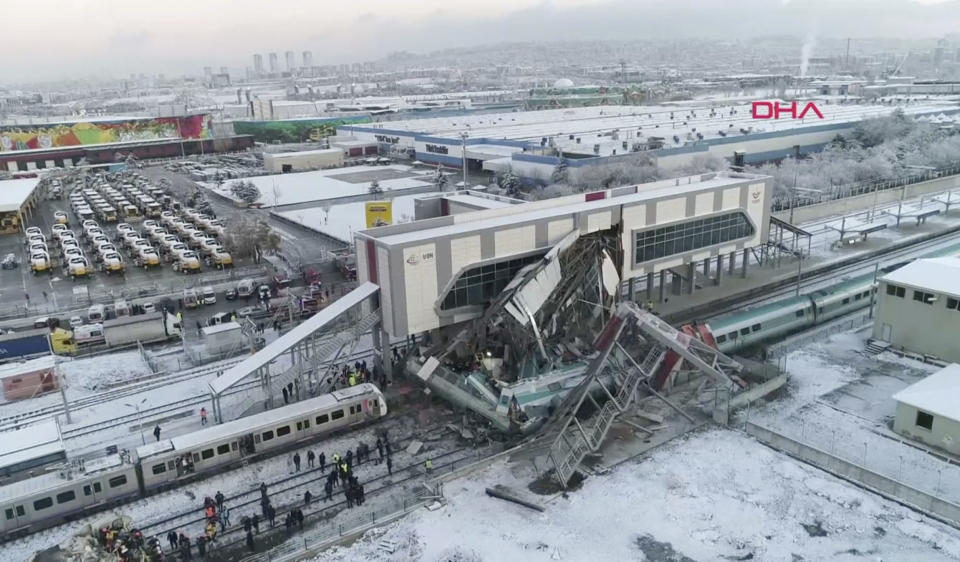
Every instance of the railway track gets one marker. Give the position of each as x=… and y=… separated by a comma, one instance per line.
x=821, y=276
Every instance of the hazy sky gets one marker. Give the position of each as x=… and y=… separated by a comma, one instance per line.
x=49, y=39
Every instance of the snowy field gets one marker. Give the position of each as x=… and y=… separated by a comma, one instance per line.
x=714, y=495
x=288, y=189
x=341, y=221
x=840, y=402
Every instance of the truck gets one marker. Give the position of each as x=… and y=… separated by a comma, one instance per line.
x=143, y=328
x=17, y=345
x=112, y=262
x=245, y=288
x=190, y=299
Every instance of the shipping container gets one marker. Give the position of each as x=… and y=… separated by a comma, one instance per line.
x=130, y=329
x=24, y=344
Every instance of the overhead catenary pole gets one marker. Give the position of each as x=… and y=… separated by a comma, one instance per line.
x=463, y=147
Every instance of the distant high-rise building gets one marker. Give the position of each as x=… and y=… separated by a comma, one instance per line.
x=308, y=59
x=207, y=73
x=274, y=66
x=258, y=65
x=223, y=70
x=290, y=60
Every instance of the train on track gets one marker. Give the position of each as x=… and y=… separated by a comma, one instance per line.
x=43, y=501
x=748, y=327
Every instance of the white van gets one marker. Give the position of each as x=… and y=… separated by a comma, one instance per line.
x=209, y=295
x=96, y=313
x=88, y=333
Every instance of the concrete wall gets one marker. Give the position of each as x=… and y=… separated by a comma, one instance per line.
x=300, y=161
x=858, y=203
x=884, y=485
x=930, y=329
x=945, y=432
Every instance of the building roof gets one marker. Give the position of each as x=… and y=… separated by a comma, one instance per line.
x=936, y=394
x=937, y=275
x=559, y=207
x=282, y=155
x=13, y=193
x=33, y=441
x=15, y=368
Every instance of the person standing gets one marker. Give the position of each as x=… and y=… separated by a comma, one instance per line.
x=296, y=461
x=310, y=457
x=203, y=416
x=250, y=544
x=323, y=461
x=156, y=432
x=219, y=499
x=389, y=466
x=256, y=523
x=328, y=490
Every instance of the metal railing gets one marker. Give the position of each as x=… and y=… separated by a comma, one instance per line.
x=860, y=188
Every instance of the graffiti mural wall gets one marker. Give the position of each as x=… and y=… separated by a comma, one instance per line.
x=29, y=137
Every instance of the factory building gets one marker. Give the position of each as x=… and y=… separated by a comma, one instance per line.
x=283, y=162
x=929, y=412
x=530, y=144
x=445, y=270
x=919, y=308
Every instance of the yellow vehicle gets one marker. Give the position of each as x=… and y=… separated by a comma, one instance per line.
x=61, y=217
x=188, y=262
x=39, y=262
x=148, y=257
x=112, y=262
x=78, y=267
x=222, y=258
x=61, y=342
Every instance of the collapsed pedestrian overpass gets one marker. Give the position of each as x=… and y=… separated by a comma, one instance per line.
x=301, y=362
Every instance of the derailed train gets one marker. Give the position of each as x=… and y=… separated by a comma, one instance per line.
x=43, y=501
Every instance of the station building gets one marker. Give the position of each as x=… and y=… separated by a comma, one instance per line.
x=444, y=270
x=919, y=308
x=18, y=202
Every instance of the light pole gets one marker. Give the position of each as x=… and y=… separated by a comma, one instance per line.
x=463, y=148
x=139, y=422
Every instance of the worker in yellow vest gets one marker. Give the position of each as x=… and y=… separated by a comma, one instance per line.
x=353, y=378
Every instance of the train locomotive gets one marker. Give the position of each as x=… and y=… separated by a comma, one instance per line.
x=46, y=500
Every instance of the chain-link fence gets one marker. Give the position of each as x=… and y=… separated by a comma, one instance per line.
x=834, y=192
x=850, y=447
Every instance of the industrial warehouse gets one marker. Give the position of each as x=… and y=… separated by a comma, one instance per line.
x=531, y=144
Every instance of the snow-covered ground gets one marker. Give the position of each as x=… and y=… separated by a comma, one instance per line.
x=341, y=221
x=287, y=189
x=96, y=373
x=714, y=495
x=840, y=401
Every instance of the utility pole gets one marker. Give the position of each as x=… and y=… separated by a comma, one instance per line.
x=799, y=270
x=139, y=422
x=61, y=382
x=463, y=146
x=873, y=288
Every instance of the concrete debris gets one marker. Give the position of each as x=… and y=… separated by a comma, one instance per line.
x=502, y=492
x=387, y=546
x=414, y=447
x=655, y=418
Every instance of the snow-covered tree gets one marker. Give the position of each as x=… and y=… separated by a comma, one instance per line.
x=375, y=188
x=245, y=190
x=560, y=174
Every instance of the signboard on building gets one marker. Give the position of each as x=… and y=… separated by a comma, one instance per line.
x=437, y=149
x=379, y=213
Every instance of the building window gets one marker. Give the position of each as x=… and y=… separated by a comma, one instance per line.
x=321, y=419
x=157, y=469
x=895, y=291
x=206, y=454
x=953, y=304
x=267, y=435
x=924, y=420
x=480, y=285
x=336, y=415
x=691, y=235
x=281, y=431
x=925, y=298
x=117, y=481
x=223, y=449
x=721, y=338
x=65, y=497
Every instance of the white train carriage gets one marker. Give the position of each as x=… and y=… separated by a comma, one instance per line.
x=164, y=463
x=35, y=503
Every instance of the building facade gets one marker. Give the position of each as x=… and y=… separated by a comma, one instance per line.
x=929, y=411
x=443, y=271
x=919, y=308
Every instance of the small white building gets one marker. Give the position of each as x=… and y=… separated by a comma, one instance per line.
x=919, y=308
x=929, y=411
x=303, y=160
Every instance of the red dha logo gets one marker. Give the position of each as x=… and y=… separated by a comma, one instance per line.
x=772, y=110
